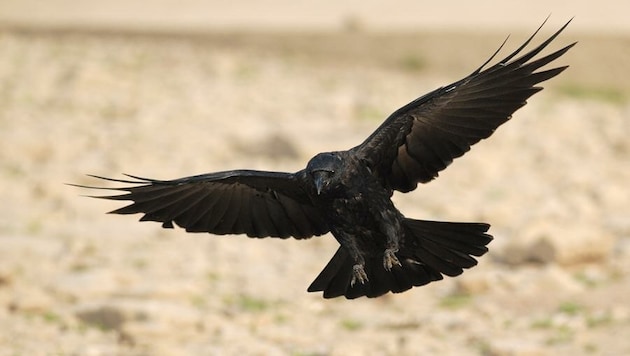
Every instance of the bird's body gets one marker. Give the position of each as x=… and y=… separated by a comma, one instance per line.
x=348, y=193
x=360, y=212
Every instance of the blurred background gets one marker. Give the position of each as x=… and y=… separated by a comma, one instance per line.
x=166, y=89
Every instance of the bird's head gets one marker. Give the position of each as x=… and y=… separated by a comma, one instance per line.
x=324, y=170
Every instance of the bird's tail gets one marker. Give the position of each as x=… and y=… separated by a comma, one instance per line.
x=428, y=250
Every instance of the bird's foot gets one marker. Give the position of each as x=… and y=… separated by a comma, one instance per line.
x=390, y=259
x=358, y=275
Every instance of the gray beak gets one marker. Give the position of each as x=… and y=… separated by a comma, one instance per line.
x=320, y=181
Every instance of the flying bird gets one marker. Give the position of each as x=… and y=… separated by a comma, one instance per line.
x=348, y=193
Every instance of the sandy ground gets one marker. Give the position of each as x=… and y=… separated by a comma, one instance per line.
x=605, y=16
x=75, y=281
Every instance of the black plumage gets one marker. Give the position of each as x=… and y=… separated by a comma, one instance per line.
x=348, y=193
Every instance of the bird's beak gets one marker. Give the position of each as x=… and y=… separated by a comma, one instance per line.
x=319, y=181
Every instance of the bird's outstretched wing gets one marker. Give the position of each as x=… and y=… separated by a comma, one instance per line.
x=256, y=203
x=423, y=137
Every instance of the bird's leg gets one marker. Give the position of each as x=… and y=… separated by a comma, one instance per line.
x=358, y=274
x=358, y=269
x=389, y=259
x=392, y=231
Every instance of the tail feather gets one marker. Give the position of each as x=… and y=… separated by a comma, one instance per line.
x=428, y=250
x=446, y=246
x=451, y=261
x=470, y=234
x=438, y=259
x=420, y=274
x=334, y=279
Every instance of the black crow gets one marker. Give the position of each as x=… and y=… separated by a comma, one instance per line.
x=348, y=193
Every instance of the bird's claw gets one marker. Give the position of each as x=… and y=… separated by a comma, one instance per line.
x=389, y=259
x=358, y=275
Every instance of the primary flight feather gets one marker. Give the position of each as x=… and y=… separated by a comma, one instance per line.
x=348, y=193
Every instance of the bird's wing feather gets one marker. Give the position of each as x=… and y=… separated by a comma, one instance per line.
x=423, y=137
x=256, y=203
